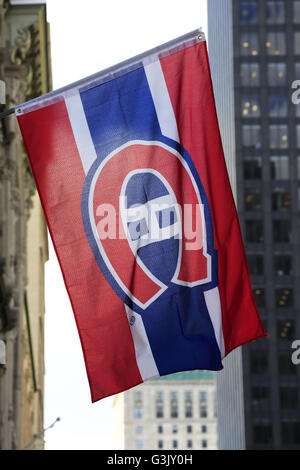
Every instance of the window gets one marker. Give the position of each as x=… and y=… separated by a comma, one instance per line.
x=298, y=168
x=278, y=136
x=279, y=168
x=259, y=296
x=278, y=106
x=297, y=42
x=249, y=44
x=174, y=428
x=204, y=428
x=285, y=365
x=276, y=44
x=160, y=444
x=175, y=444
x=174, y=404
x=204, y=444
x=189, y=444
x=284, y=297
x=139, y=444
x=262, y=433
x=253, y=199
x=258, y=362
x=283, y=264
x=189, y=428
x=296, y=12
x=188, y=402
x=203, y=404
x=282, y=231
x=249, y=75
x=254, y=231
x=277, y=74
x=252, y=168
x=298, y=134
x=281, y=200
x=139, y=430
x=260, y=398
x=288, y=398
x=251, y=136
x=290, y=431
x=275, y=12
x=160, y=429
x=250, y=106
x=138, y=405
x=256, y=264
x=159, y=403
x=286, y=329
x=248, y=12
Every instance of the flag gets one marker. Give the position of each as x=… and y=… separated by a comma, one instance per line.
x=131, y=174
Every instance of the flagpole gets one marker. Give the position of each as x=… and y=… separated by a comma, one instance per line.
x=196, y=34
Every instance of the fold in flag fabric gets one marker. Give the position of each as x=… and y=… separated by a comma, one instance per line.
x=131, y=174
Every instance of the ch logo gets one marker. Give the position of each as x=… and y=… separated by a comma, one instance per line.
x=158, y=204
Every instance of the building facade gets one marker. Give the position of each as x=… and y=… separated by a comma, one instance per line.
x=25, y=70
x=264, y=57
x=177, y=411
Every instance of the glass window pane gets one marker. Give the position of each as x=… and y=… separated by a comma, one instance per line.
x=188, y=402
x=286, y=329
x=262, y=433
x=276, y=44
x=298, y=135
x=278, y=135
x=174, y=404
x=283, y=264
x=281, y=200
x=249, y=44
x=282, y=231
x=253, y=199
x=297, y=42
x=278, y=106
x=249, y=74
x=256, y=264
x=254, y=231
x=252, y=168
x=259, y=296
x=284, y=297
x=290, y=431
x=258, y=362
x=248, y=12
x=275, y=12
x=298, y=168
x=138, y=405
x=288, y=398
x=251, y=136
x=285, y=365
x=277, y=74
x=279, y=168
x=203, y=404
x=260, y=398
x=159, y=404
x=250, y=106
x=296, y=12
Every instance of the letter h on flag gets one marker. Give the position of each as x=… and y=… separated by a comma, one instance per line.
x=131, y=174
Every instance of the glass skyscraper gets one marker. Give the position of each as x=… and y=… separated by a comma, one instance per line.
x=266, y=61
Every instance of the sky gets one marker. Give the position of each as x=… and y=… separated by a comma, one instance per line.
x=87, y=37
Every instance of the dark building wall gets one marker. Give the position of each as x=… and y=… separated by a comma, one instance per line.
x=266, y=60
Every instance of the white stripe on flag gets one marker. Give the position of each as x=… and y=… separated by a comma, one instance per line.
x=168, y=125
x=81, y=130
x=144, y=356
x=161, y=100
x=213, y=303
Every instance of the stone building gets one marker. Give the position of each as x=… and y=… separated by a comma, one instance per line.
x=25, y=70
x=176, y=411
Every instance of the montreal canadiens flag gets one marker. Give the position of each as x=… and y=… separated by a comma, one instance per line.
x=131, y=174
